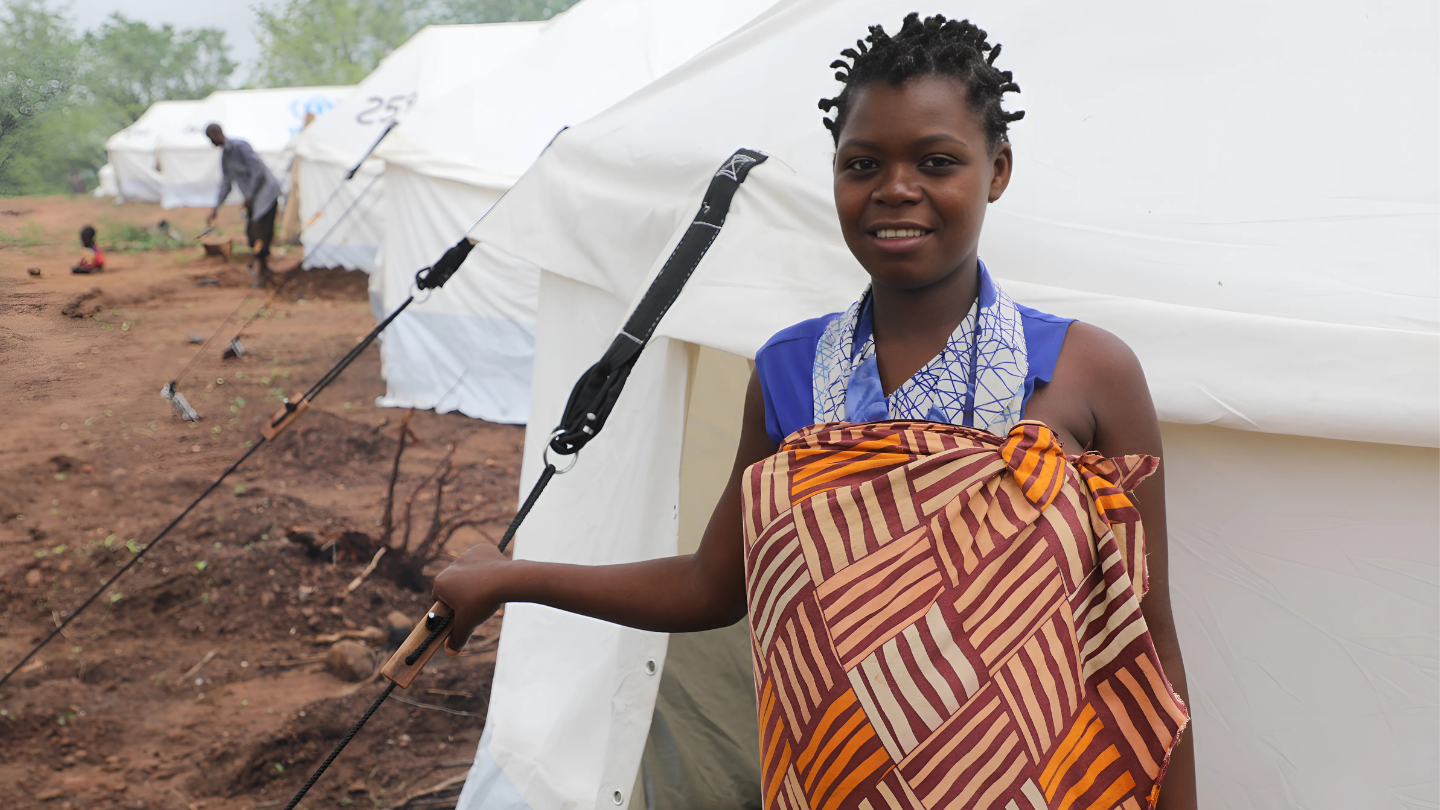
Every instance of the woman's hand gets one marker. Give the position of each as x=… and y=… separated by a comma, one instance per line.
x=471, y=587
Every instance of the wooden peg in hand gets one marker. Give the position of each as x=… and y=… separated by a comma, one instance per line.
x=402, y=673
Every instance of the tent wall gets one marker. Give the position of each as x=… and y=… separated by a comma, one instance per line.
x=107, y=186
x=467, y=346
x=576, y=688
x=136, y=174
x=485, y=133
x=703, y=751
x=436, y=60
x=190, y=175
x=267, y=119
x=1303, y=576
x=1307, y=615
x=1166, y=189
x=132, y=149
x=347, y=232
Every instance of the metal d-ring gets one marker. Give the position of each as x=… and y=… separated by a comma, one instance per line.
x=416, y=292
x=545, y=454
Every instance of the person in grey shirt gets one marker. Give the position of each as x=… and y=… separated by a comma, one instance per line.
x=240, y=166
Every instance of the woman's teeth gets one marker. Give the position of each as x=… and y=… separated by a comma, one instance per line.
x=899, y=233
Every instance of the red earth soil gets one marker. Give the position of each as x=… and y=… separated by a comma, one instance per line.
x=196, y=681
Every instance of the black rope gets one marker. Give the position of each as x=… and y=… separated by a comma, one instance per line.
x=355, y=729
x=280, y=287
x=336, y=224
x=133, y=560
x=529, y=504
x=441, y=622
x=598, y=389
x=315, y=389
x=360, y=347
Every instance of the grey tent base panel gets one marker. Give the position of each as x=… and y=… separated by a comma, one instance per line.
x=703, y=752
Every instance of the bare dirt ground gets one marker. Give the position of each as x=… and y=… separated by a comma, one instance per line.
x=197, y=680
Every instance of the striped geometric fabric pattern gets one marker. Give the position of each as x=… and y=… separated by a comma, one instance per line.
x=944, y=618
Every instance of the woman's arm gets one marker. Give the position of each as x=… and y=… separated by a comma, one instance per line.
x=1125, y=424
x=691, y=592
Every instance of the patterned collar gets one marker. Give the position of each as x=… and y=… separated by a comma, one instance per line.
x=977, y=380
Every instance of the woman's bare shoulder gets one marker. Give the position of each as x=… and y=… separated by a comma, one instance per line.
x=1101, y=371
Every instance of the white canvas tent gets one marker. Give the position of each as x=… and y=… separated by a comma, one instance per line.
x=1168, y=187
x=470, y=350
x=435, y=61
x=132, y=149
x=190, y=164
x=106, y=185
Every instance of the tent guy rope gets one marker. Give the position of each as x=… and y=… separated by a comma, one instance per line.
x=590, y=404
x=172, y=389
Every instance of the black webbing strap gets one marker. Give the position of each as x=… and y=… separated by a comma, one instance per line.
x=595, y=394
x=429, y=278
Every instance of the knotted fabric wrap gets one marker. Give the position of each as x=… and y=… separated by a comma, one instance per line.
x=945, y=618
x=846, y=380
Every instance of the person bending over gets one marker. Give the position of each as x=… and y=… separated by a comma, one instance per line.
x=935, y=522
x=241, y=167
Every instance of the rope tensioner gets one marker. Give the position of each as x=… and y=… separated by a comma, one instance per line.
x=591, y=401
x=277, y=423
x=589, y=406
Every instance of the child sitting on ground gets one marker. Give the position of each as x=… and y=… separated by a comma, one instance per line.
x=92, y=261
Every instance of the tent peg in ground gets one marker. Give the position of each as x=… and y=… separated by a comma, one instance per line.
x=182, y=405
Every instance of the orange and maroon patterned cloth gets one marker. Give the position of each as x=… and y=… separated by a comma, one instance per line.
x=944, y=618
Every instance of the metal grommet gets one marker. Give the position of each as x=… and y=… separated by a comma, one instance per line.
x=618, y=799
x=545, y=454
x=650, y=667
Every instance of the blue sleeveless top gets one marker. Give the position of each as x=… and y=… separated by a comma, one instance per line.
x=786, y=362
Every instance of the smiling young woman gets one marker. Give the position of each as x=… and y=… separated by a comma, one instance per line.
x=935, y=522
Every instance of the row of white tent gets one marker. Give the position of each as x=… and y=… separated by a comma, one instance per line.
x=164, y=157
x=1203, y=181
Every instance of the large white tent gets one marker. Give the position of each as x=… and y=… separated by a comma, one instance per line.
x=268, y=119
x=132, y=149
x=1211, y=183
x=430, y=64
x=471, y=349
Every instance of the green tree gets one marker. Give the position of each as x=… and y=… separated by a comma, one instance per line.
x=128, y=65
x=491, y=11
x=38, y=58
x=62, y=95
x=318, y=42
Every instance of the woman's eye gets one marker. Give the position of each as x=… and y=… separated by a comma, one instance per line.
x=937, y=162
x=863, y=164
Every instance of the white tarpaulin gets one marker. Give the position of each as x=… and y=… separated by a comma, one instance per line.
x=435, y=61
x=1202, y=180
x=456, y=154
x=106, y=186
x=268, y=119
x=132, y=149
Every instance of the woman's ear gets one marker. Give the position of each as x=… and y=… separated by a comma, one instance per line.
x=1001, y=164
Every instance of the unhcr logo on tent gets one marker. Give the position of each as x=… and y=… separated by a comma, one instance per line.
x=299, y=108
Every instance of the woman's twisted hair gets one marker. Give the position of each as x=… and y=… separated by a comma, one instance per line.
x=935, y=47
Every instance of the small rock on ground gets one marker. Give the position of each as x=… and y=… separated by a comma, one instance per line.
x=350, y=660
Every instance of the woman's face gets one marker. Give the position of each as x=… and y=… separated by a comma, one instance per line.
x=913, y=174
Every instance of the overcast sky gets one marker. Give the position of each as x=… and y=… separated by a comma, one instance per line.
x=234, y=17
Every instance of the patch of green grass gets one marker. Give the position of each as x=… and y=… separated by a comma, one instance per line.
x=29, y=234
x=126, y=237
